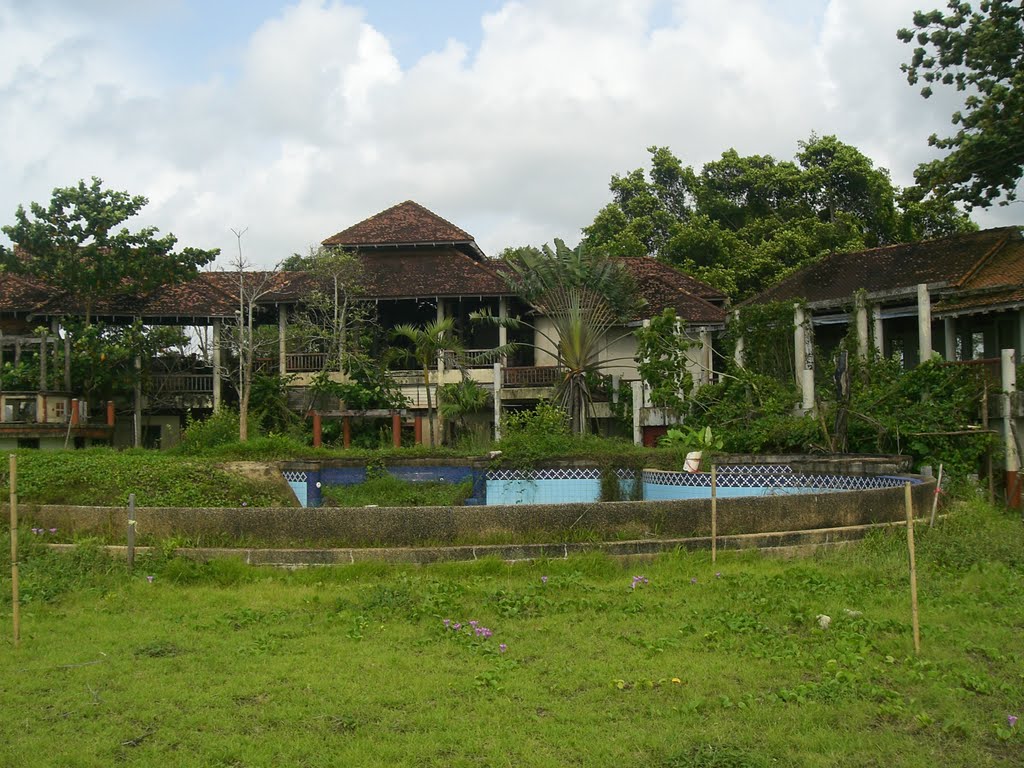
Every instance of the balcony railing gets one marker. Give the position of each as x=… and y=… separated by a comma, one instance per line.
x=468, y=358
x=532, y=376
x=183, y=383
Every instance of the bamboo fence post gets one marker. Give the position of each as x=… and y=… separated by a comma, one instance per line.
x=15, y=605
x=131, y=531
x=714, y=513
x=935, y=498
x=913, y=568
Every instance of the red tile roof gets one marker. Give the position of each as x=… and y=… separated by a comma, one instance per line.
x=949, y=262
x=407, y=223
x=666, y=288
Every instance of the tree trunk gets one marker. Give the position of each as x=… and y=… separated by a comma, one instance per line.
x=430, y=408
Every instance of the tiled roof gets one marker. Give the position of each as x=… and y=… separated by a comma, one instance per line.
x=998, y=282
x=949, y=261
x=21, y=294
x=650, y=268
x=407, y=223
x=666, y=288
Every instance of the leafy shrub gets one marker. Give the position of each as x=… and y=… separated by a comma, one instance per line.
x=220, y=428
x=531, y=435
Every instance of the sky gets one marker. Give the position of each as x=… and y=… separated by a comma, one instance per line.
x=295, y=120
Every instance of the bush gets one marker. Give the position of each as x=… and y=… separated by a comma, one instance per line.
x=528, y=436
x=220, y=428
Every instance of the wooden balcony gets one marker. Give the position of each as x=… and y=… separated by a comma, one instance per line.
x=532, y=376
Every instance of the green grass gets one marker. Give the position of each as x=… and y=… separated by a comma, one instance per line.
x=104, y=477
x=225, y=665
x=391, y=491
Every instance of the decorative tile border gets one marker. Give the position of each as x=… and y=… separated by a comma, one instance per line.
x=545, y=474
x=295, y=476
x=738, y=477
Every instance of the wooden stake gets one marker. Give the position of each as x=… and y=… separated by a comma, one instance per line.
x=714, y=513
x=913, y=568
x=131, y=531
x=935, y=499
x=15, y=605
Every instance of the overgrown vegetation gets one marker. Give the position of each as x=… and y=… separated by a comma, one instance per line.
x=386, y=490
x=669, y=663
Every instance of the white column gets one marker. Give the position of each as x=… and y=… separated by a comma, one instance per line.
x=924, y=323
x=137, y=411
x=503, y=316
x=497, y=401
x=705, y=356
x=638, y=399
x=216, y=360
x=440, y=358
x=876, y=318
x=949, y=331
x=282, y=339
x=799, y=348
x=862, y=325
x=1009, y=386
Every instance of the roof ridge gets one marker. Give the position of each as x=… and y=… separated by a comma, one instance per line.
x=985, y=258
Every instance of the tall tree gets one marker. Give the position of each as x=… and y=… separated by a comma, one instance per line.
x=741, y=223
x=982, y=54
x=75, y=245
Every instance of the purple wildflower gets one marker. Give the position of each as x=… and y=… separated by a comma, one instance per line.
x=1011, y=720
x=456, y=626
x=150, y=579
x=693, y=580
x=245, y=503
x=718, y=575
x=473, y=624
x=543, y=579
x=447, y=623
x=502, y=648
x=53, y=530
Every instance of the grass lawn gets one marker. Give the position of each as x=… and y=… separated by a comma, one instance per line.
x=697, y=665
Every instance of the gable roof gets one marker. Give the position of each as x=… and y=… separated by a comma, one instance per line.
x=945, y=263
x=664, y=287
x=407, y=224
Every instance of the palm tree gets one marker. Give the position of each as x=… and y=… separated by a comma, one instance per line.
x=428, y=342
x=584, y=294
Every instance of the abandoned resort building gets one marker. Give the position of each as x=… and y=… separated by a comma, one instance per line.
x=960, y=298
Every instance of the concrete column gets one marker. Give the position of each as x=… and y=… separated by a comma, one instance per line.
x=705, y=356
x=137, y=404
x=924, y=323
x=282, y=340
x=878, y=333
x=638, y=400
x=949, y=332
x=502, y=330
x=497, y=401
x=317, y=430
x=1009, y=386
x=111, y=415
x=737, y=354
x=862, y=325
x=216, y=365
x=75, y=412
x=799, y=344
x=67, y=360
x=440, y=365
x=43, y=344
x=396, y=429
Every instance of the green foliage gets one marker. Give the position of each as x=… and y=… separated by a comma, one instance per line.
x=584, y=294
x=742, y=223
x=218, y=429
x=269, y=411
x=530, y=435
x=76, y=243
x=102, y=477
x=661, y=357
x=767, y=333
x=386, y=490
x=370, y=387
x=913, y=411
x=981, y=53
x=458, y=401
x=686, y=439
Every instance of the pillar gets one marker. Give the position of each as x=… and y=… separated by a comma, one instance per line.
x=861, y=310
x=1009, y=387
x=216, y=358
x=924, y=323
x=417, y=428
x=67, y=361
x=396, y=429
x=282, y=339
x=110, y=413
x=497, y=401
x=346, y=431
x=949, y=332
x=42, y=361
x=502, y=330
x=799, y=348
x=137, y=404
x=440, y=362
x=638, y=401
x=803, y=351
x=317, y=430
x=705, y=356
x=879, y=339
x=75, y=412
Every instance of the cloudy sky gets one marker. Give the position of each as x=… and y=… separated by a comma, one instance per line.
x=298, y=119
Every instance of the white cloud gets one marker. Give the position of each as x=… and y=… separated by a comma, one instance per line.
x=312, y=124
